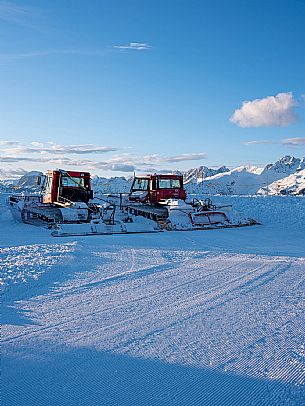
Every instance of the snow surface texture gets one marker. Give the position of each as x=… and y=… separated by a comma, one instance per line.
x=174, y=318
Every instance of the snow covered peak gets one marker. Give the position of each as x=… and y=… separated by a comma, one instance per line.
x=29, y=180
x=10, y=175
x=292, y=184
x=248, y=179
x=110, y=185
x=202, y=172
x=302, y=164
x=248, y=168
x=288, y=164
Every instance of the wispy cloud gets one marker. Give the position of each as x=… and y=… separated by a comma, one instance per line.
x=17, y=148
x=114, y=167
x=77, y=149
x=155, y=162
x=299, y=141
x=267, y=112
x=21, y=15
x=258, y=142
x=153, y=159
x=50, y=52
x=11, y=159
x=186, y=157
x=69, y=52
x=53, y=154
x=64, y=161
x=12, y=12
x=147, y=161
x=4, y=143
x=138, y=46
x=296, y=142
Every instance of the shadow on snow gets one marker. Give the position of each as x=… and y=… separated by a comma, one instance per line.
x=87, y=377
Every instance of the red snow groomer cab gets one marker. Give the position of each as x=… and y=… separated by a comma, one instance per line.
x=157, y=189
x=61, y=187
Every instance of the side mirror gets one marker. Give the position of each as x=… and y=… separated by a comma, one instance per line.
x=38, y=181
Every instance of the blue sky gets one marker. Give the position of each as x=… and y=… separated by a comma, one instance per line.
x=116, y=86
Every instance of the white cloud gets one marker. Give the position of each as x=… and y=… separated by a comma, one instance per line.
x=78, y=149
x=39, y=148
x=6, y=57
x=50, y=52
x=62, y=155
x=118, y=167
x=139, y=46
x=6, y=143
x=55, y=155
x=258, y=142
x=147, y=162
x=149, y=159
x=294, y=141
x=10, y=159
x=271, y=111
x=186, y=157
x=64, y=161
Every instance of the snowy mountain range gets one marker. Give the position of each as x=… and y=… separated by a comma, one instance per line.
x=111, y=185
x=292, y=184
x=285, y=176
x=202, y=172
x=250, y=180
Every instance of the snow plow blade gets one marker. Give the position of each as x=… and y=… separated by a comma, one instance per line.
x=207, y=218
x=100, y=228
x=218, y=226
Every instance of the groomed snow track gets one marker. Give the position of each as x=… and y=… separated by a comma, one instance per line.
x=147, y=323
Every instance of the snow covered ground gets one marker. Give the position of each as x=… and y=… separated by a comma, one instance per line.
x=175, y=318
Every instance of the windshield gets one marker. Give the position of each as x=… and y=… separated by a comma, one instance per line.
x=72, y=182
x=140, y=184
x=169, y=184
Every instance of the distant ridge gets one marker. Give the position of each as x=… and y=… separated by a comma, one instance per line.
x=285, y=176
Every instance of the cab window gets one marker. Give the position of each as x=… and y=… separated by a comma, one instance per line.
x=72, y=181
x=140, y=184
x=169, y=184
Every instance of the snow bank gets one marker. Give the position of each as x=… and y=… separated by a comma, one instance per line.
x=281, y=211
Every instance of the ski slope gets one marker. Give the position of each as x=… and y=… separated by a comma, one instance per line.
x=176, y=318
